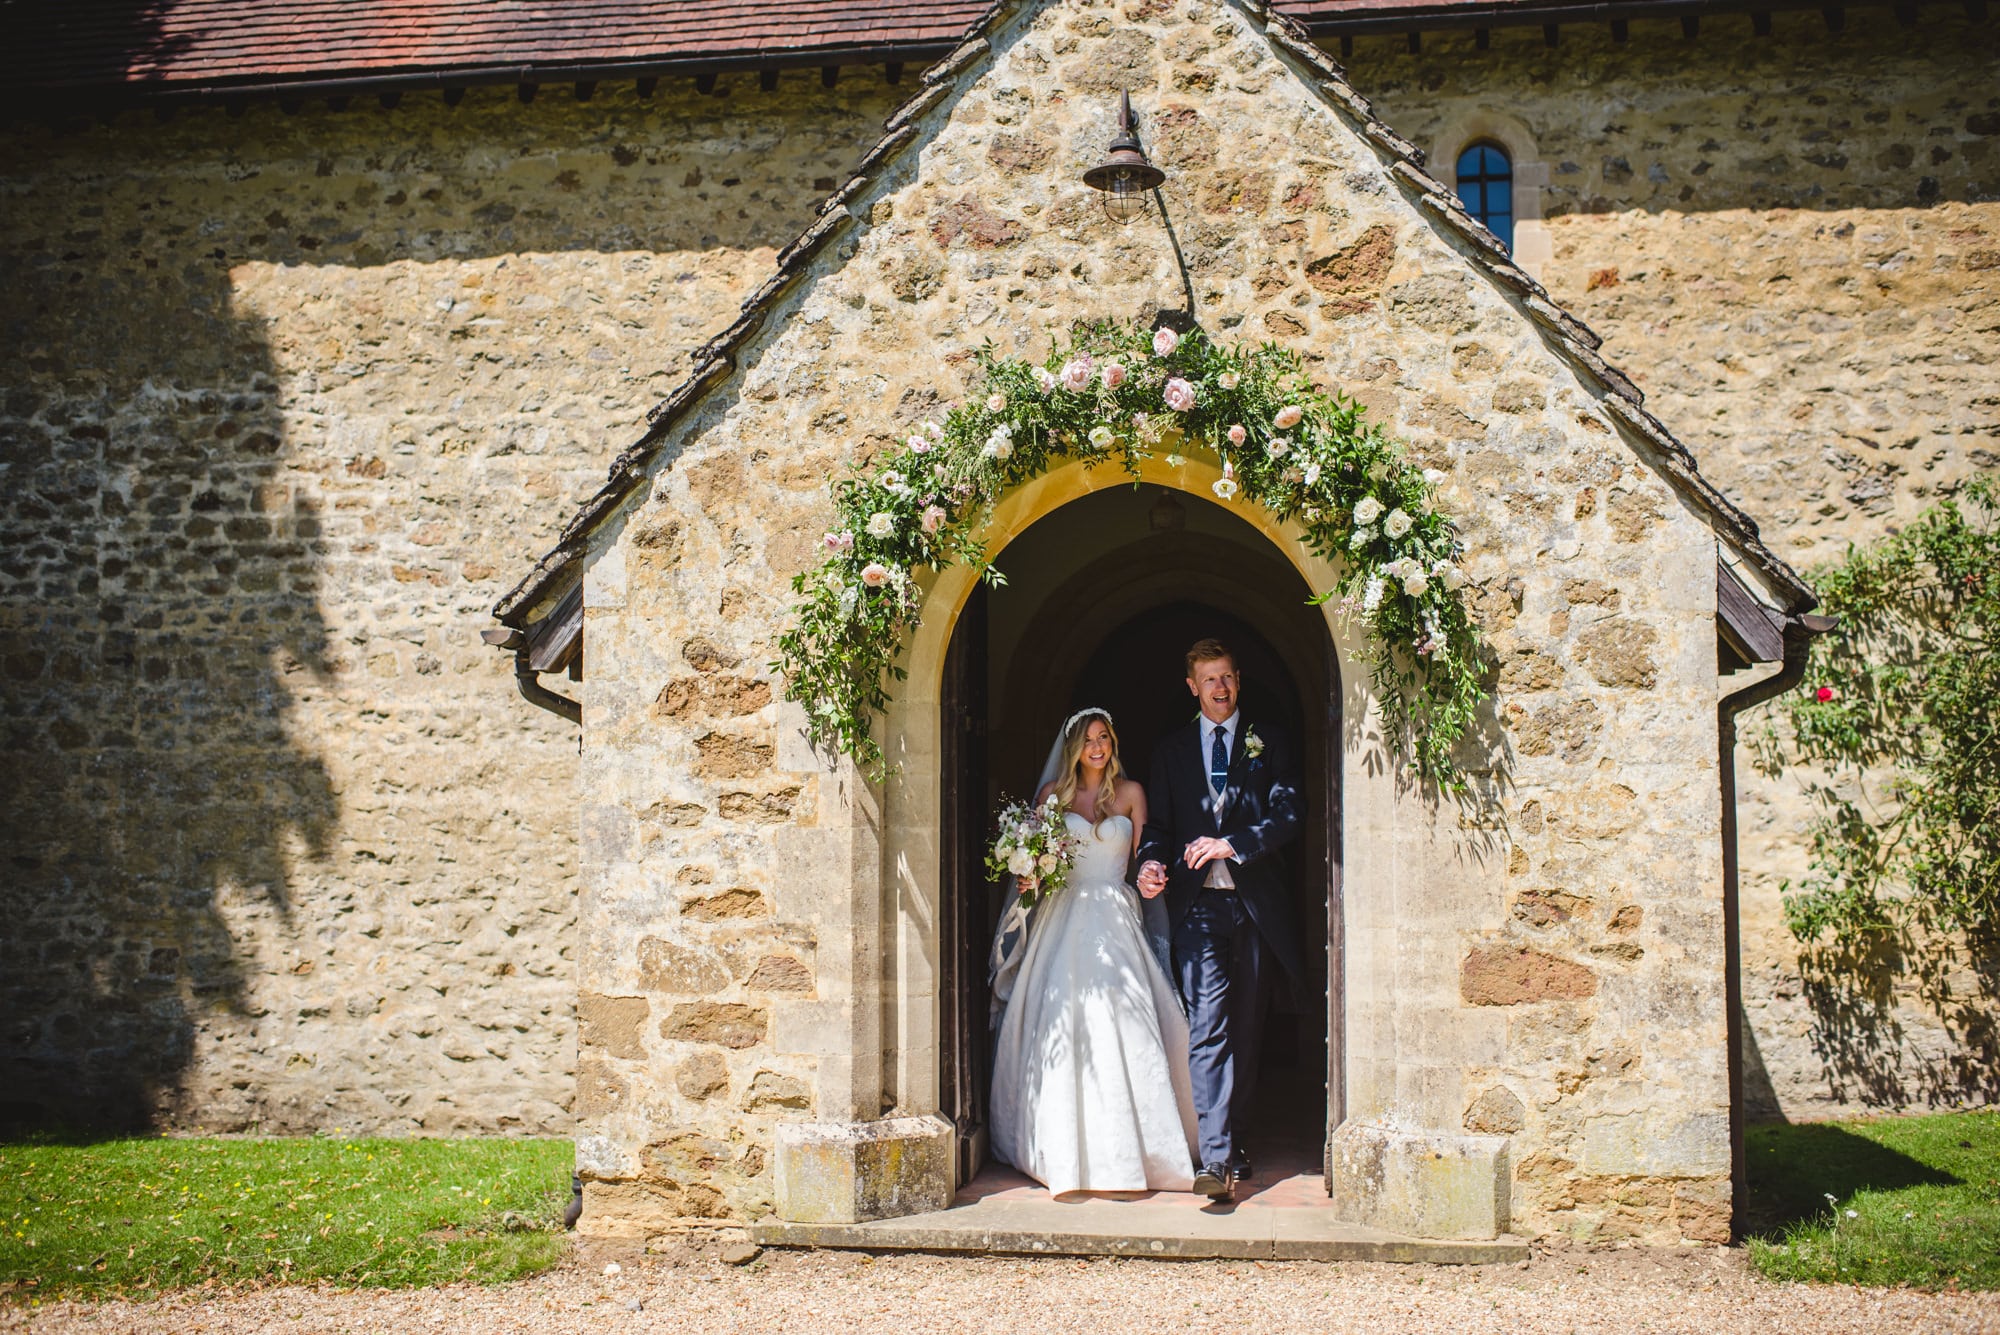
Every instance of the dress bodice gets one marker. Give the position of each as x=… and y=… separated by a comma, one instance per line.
x=1101, y=852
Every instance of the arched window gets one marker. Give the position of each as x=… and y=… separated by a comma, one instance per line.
x=1486, y=184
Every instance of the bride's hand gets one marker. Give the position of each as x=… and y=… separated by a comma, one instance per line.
x=1026, y=884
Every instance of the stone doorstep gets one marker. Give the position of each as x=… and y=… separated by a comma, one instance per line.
x=1122, y=1228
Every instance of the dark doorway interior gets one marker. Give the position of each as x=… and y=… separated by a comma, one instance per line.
x=1105, y=619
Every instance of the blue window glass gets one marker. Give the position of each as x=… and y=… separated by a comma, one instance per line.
x=1486, y=184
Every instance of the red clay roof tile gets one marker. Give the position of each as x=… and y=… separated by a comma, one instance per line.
x=186, y=45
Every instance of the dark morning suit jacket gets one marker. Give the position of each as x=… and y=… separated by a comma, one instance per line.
x=1260, y=815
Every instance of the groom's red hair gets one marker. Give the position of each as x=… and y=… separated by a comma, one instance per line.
x=1207, y=651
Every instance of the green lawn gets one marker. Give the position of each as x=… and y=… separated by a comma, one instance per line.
x=1898, y=1200
x=137, y=1216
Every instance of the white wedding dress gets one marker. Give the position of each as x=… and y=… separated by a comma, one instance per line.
x=1090, y=1081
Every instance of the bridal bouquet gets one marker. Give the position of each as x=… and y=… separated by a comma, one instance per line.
x=1033, y=845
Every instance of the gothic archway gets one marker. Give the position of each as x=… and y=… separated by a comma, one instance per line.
x=1103, y=594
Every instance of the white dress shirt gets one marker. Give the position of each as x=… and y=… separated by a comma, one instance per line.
x=1218, y=877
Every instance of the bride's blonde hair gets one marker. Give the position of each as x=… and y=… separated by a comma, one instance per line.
x=1070, y=775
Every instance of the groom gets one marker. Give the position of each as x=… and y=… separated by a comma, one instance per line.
x=1222, y=804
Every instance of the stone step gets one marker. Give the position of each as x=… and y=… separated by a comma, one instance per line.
x=1100, y=1227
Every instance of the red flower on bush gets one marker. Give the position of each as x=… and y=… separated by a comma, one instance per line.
x=1823, y=694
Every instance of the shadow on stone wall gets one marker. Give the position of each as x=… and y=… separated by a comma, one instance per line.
x=1856, y=996
x=168, y=734
x=158, y=593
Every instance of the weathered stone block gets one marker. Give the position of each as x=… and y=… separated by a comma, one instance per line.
x=1512, y=975
x=1421, y=1184
x=1657, y=1144
x=844, y=1172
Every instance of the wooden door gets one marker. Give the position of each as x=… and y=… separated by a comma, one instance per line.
x=964, y=925
x=1336, y=935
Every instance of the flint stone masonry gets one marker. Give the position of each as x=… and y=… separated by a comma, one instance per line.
x=1792, y=244
x=287, y=398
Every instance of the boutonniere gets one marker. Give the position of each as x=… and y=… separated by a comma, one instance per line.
x=1253, y=745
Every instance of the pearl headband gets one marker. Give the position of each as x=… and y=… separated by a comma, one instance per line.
x=1091, y=712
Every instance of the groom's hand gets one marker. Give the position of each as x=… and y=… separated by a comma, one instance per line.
x=1152, y=879
x=1205, y=850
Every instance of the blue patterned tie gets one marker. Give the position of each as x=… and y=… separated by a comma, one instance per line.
x=1218, y=763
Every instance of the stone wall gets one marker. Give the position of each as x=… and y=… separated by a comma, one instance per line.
x=289, y=401
x=1548, y=966
x=1792, y=243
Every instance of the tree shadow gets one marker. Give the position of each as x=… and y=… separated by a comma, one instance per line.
x=159, y=583
x=1857, y=993
x=171, y=829
x=1794, y=1168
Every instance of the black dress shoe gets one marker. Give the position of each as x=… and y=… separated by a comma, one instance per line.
x=1239, y=1164
x=1217, y=1181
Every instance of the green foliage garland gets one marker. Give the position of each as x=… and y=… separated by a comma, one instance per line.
x=1909, y=683
x=1118, y=394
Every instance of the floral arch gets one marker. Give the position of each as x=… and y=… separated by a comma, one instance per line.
x=1119, y=395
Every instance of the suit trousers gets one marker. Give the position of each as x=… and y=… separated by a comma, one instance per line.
x=1219, y=962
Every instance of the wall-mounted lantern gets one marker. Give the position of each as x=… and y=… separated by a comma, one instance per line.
x=1124, y=176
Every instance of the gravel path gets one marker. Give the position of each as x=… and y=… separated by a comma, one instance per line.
x=1564, y=1291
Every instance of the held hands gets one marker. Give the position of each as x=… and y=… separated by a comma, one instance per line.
x=1205, y=850
x=1152, y=879
x=1153, y=875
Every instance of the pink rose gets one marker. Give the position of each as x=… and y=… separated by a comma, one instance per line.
x=1164, y=342
x=1228, y=379
x=1114, y=375
x=1178, y=393
x=995, y=402
x=840, y=542
x=1043, y=378
x=1076, y=374
x=874, y=574
x=1288, y=417
x=1237, y=435
x=933, y=518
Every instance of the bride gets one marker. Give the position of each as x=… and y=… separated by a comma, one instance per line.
x=1090, y=1081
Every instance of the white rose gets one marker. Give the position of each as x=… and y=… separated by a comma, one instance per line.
x=1100, y=436
x=1415, y=583
x=1362, y=537
x=1366, y=509
x=1228, y=379
x=1047, y=862
x=995, y=402
x=881, y=524
x=1397, y=524
x=1279, y=447
x=1452, y=577
x=1004, y=848
x=1020, y=862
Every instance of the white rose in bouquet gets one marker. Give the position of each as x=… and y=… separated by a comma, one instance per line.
x=1021, y=862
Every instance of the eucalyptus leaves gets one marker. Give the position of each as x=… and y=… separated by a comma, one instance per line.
x=1119, y=393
